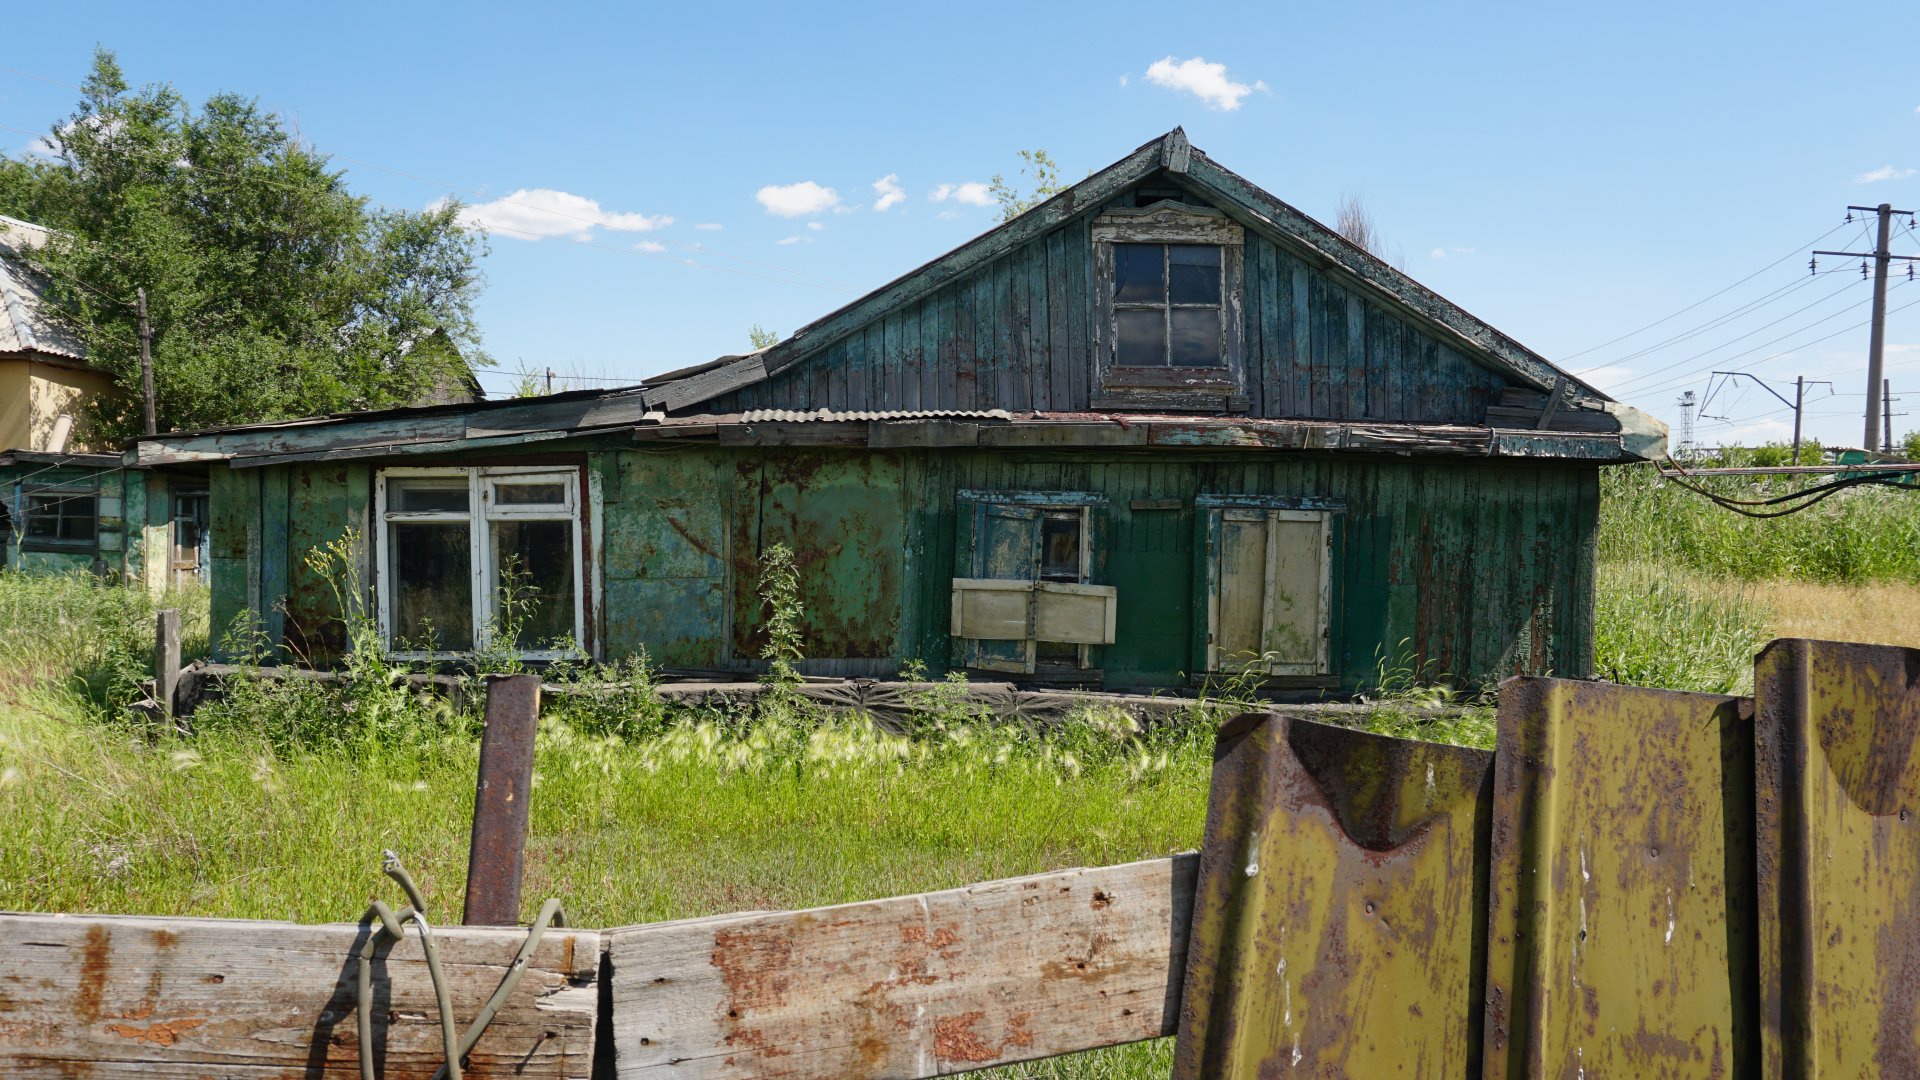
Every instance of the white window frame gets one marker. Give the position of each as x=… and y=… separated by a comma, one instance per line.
x=481, y=512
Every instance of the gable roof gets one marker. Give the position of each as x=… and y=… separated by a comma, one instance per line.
x=1173, y=154
x=26, y=315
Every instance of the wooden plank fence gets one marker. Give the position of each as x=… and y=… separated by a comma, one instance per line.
x=1636, y=882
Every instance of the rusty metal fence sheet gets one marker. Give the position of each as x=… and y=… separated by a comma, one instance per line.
x=1839, y=869
x=1619, y=917
x=1336, y=922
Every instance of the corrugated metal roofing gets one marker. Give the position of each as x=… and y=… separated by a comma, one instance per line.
x=794, y=416
x=26, y=324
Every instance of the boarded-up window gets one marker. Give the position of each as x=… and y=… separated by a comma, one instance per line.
x=1024, y=602
x=1269, y=590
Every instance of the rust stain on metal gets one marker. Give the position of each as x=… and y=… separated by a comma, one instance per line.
x=1336, y=922
x=96, y=959
x=1620, y=908
x=1838, y=756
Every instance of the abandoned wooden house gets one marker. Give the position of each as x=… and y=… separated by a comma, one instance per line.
x=1161, y=427
x=69, y=505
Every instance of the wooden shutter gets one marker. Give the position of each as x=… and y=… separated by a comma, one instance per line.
x=1270, y=590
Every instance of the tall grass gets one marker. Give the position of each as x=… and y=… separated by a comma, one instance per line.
x=1858, y=535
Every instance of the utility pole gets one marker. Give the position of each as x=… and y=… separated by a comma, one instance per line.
x=146, y=363
x=549, y=380
x=1799, y=396
x=1686, y=425
x=1877, y=342
x=1798, y=404
x=1887, y=414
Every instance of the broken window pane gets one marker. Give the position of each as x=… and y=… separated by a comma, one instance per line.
x=1193, y=274
x=1060, y=546
x=432, y=584
x=533, y=581
x=1196, y=337
x=1142, y=338
x=1138, y=271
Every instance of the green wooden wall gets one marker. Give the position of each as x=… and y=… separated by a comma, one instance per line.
x=1014, y=334
x=1471, y=569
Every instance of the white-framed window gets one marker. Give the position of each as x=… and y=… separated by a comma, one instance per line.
x=466, y=554
x=1168, y=285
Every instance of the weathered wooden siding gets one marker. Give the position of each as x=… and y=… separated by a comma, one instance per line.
x=1473, y=570
x=1015, y=334
x=1470, y=569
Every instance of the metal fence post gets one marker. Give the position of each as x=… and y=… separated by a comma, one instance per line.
x=166, y=660
x=500, y=801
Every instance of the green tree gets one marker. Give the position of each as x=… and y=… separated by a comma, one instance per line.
x=762, y=337
x=274, y=291
x=1045, y=174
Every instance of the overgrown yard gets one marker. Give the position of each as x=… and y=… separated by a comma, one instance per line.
x=280, y=805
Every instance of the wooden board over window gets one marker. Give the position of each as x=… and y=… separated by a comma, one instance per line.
x=1269, y=590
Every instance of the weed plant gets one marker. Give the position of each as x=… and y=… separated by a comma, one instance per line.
x=1658, y=626
x=1858, y=535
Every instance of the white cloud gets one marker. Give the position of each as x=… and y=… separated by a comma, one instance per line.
x=816, y=226
x=1123, y=80
x=651, y=247
x=1206, y=81
x=1884, y=172
x=1437, y=253
x=890, y=192
x=797, y=200
x=539, y=213
x=785, y=240
x=709, y=226
x=972, y=193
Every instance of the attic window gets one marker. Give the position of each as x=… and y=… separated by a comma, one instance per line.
x=1167, y=320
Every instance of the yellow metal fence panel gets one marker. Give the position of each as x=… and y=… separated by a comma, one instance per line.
x=1336, y=919
x=1839, y=842
x=1619, y=917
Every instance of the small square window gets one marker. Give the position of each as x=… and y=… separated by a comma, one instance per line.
x=61, y=519
x=1168, y=312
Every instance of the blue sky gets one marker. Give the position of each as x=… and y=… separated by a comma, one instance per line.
x=1567, y=173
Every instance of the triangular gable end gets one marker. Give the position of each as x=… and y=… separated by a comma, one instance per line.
x=1378, y=295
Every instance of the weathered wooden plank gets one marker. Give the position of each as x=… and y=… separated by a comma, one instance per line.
x=911, y=986
x=104, y=996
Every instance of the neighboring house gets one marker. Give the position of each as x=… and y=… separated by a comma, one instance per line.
x=66, y=505
x=1161, y=427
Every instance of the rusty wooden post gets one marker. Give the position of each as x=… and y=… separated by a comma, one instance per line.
x=166, y=660
x=500, y=801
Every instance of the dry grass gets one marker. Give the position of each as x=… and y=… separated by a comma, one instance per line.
x=1884, y=613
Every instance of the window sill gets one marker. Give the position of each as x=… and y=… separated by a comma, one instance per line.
x=69, y=547
x=1213, y=398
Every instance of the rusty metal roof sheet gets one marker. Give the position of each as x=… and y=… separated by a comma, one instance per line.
x=26, y=323
x=802, y=416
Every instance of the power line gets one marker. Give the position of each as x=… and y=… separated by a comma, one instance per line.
x=1789, y=255
x=1676, y=379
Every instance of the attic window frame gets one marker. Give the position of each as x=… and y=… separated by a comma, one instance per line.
x=1183, y=389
